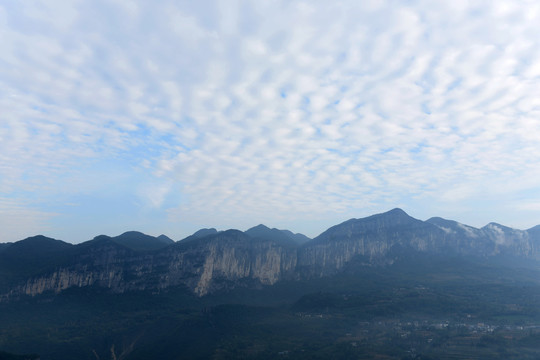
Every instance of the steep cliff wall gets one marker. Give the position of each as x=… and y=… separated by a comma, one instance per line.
x=232, y=258
x=203, y=266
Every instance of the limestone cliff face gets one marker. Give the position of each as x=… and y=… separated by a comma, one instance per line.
x=510, y=241
x=93, y=263
x=232, y=256
x=491, y=240
x=205, y=265
x=328, y=258
x=66, y=278
x=378, y=239
x=373, y=238
x=215, y=261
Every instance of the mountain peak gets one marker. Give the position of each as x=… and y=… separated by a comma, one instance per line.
x=496, y=227
x=283, y=236
x=41, y=240
x=101, y=237
x=388, y=221
x=200, y=234
x=393, y=217
x=260, y=227
x=132, y=233
x=165, y=239
x=139, y=241
x=396, y=212
x=38, y=245
x=38, y=238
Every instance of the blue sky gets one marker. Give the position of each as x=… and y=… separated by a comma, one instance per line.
x=170, y=116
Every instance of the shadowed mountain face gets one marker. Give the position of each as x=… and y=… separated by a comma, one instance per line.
x=391, y=227
x=30, y=256
x=283, y=236
x=35, y=246
x=492, y=239
x=534, y=233
x=165, y=239
x=376, y=239
x=374, y=287
x=138, y=241
x=209, y=260
x=200, y=234
x=33, y=250
x=393, y=220
x=4, y=246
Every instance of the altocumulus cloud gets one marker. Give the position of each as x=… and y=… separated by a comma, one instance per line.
x=167, y=117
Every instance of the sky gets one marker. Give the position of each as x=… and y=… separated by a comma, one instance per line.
x=167, y=117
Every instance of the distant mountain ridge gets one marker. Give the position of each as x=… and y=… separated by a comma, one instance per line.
x=285, y=236
x=211, y=260
x=138, y=241
x=200, y=234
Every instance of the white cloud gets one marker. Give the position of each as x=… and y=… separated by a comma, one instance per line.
x=272, y=110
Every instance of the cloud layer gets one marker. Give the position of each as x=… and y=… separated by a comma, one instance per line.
x=124, y=114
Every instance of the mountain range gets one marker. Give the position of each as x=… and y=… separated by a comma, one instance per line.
x=211, y=260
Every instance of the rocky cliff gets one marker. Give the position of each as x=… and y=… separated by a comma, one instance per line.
x=210, y=261
x=208, y=264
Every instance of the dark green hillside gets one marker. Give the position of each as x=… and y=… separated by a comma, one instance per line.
x=200, y=234
x=228, y=237
x=138, y=241
x=7, y=356
x=35, y=247
x=383, y=287
x=280, y=236
x=4, y=246
x=165, y=239
x=31, y=256
x=441, y=308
